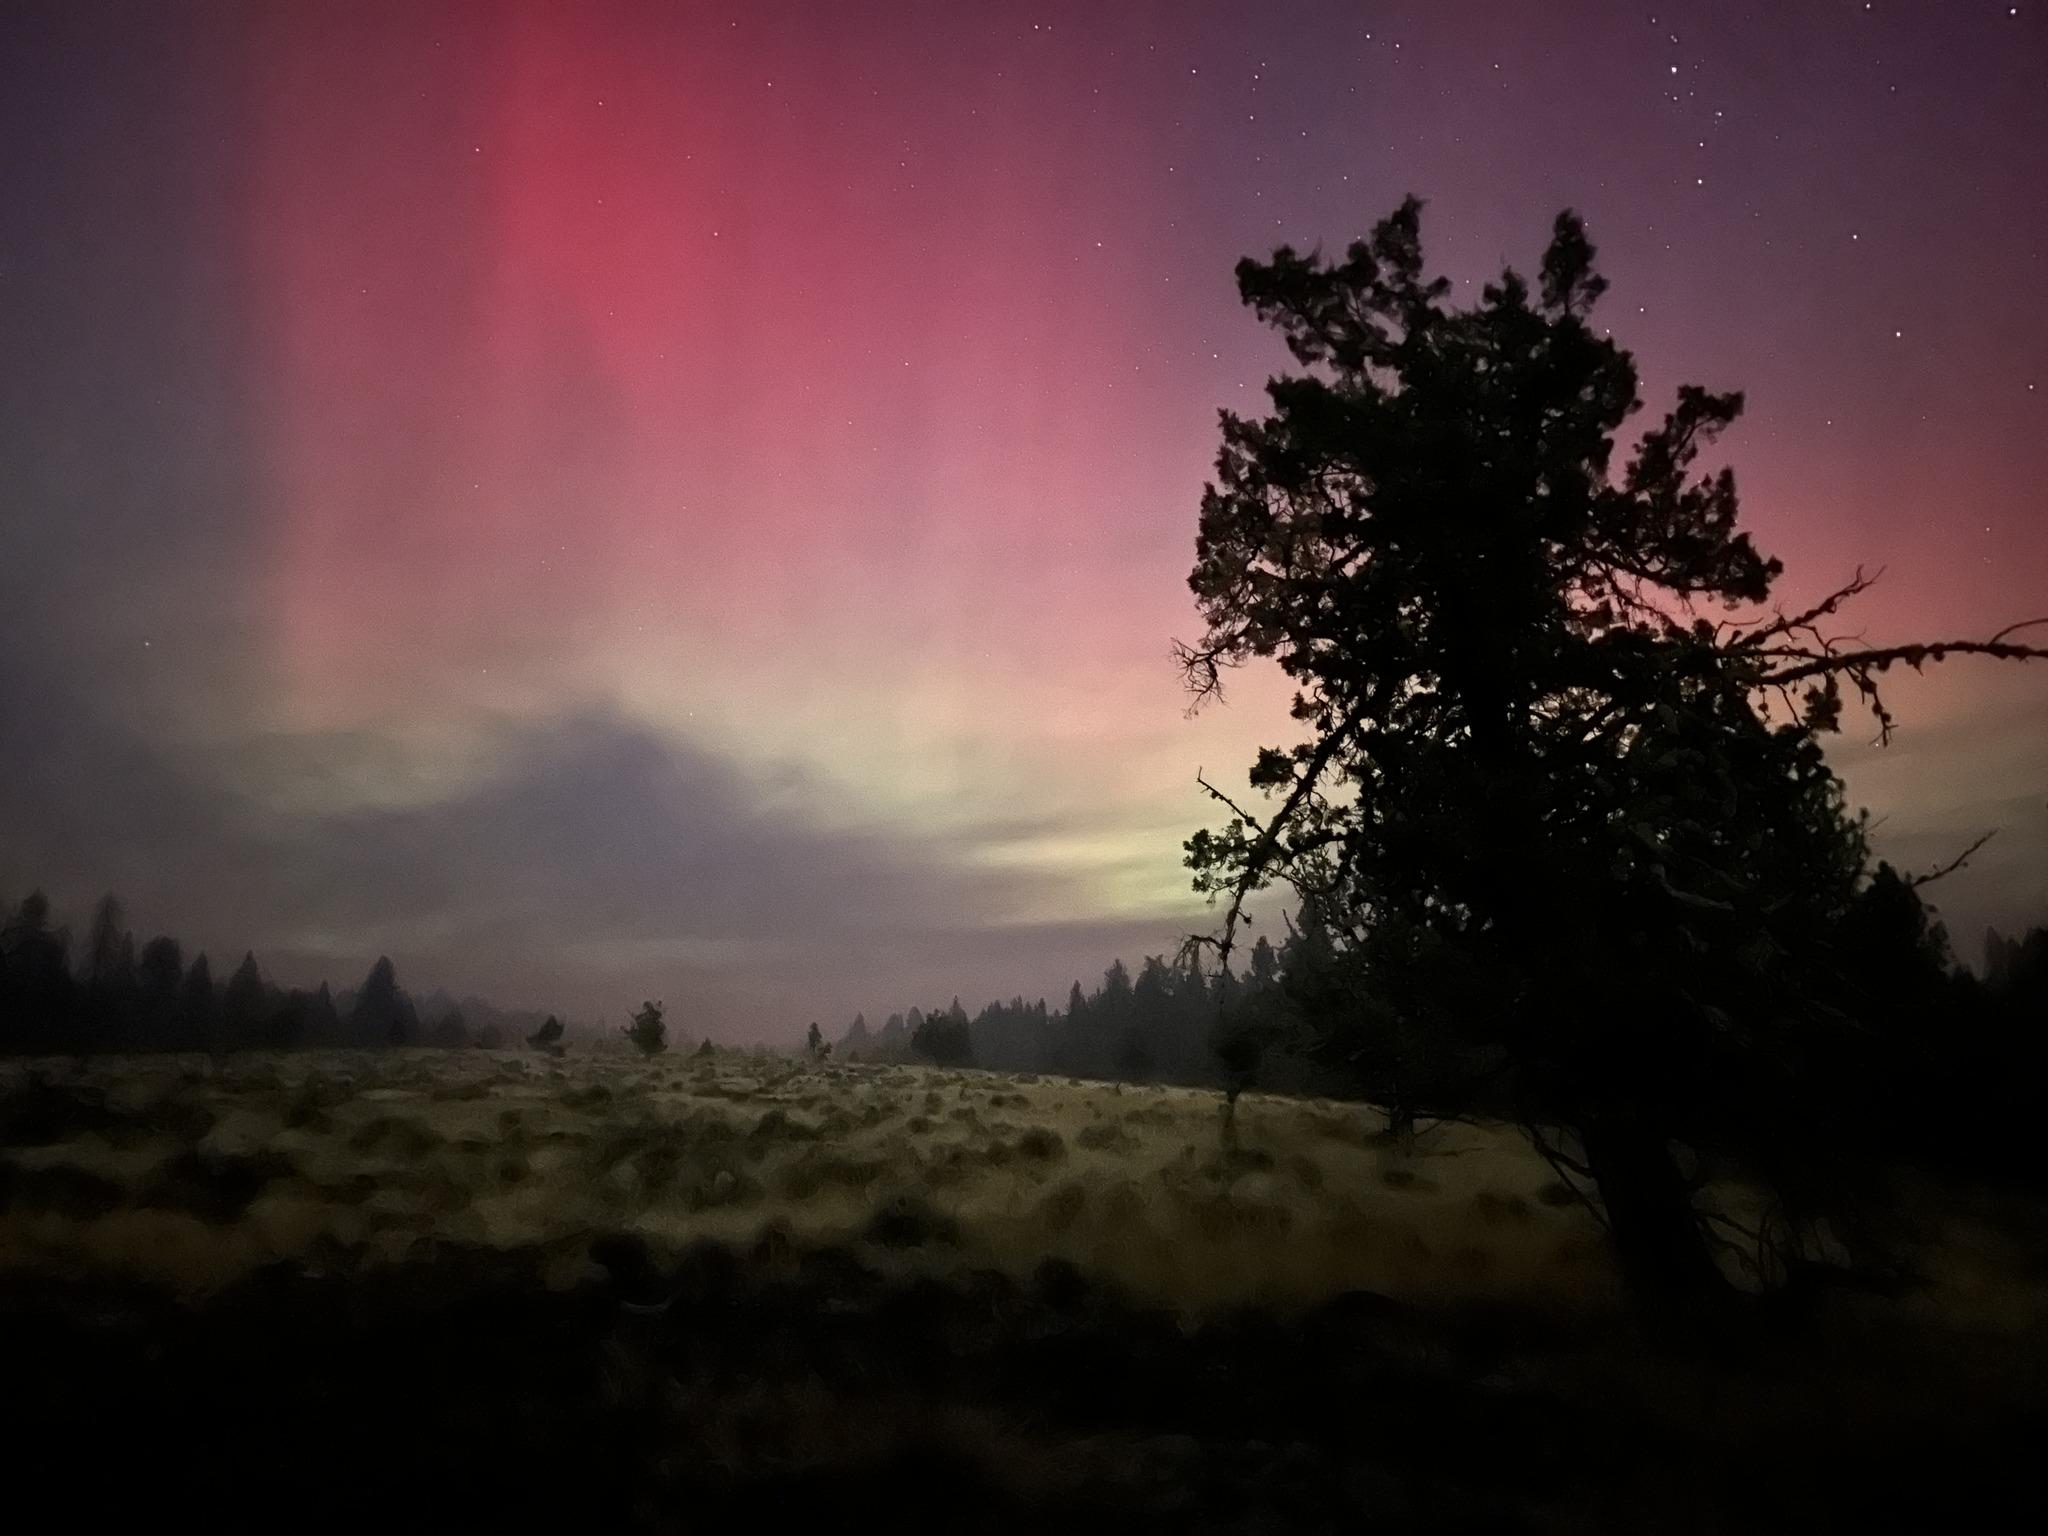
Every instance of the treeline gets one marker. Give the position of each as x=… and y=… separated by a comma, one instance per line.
x=1171, y=1023
x=115, y=994
x=1919, y=1030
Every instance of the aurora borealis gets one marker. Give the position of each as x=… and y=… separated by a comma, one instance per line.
x=692, y=501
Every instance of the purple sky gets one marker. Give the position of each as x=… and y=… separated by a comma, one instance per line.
x=693, y=501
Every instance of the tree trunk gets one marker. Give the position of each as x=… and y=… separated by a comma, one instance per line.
x=1656, y=1234
x=1401, y=1126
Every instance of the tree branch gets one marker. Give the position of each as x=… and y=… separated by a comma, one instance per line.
x=2023, y=624
x=1787, y=623
x=1215, y=793
x=1952, y=865
x=1877, y=660
x=1269, y=835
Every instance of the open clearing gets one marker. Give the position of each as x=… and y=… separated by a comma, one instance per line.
x=200, y=1172
x=612, y=1289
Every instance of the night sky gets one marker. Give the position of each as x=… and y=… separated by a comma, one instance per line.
x=607, y=501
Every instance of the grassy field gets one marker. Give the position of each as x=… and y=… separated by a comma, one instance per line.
x=694, y=1280
x=202, y=1172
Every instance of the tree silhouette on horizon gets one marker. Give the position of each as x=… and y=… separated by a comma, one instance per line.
x=1560, y=801
x=382, y=1014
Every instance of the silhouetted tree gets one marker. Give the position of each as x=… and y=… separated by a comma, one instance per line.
x=1134, y=1060
x=119, y=1000
x=323, y=1022
x=159, y=973
x=198, y=1006
x=1265, y=963
x=1530, y=757
x=548, y=1037
x=2015, y=967
x=1011, y=1037
x=40, y=995
x=1896, y=959
x=450, y=1030
x=105, y=945
x=1239, y=1042
x=942, y=1037
x=1253, y=1019
x=381, y=1013
x=2017, y=970
x=286, y=1017
x=109, y=989
x=242, y=1006
x=1072, y=1047
x=648, y=1031
x=1116, y=987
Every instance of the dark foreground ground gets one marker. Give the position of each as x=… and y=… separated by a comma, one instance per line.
x=474, y=1292
x=788, y=1385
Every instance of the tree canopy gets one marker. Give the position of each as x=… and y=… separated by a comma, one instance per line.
x=1559, y=800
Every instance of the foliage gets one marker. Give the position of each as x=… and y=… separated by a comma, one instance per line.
x=121, y=996
x=942, y=1037
x=1134, y=1060
x=548, y=1037
x=648, y=1031
x=381, y=1011
x=450, y=1032
x=1559, y=806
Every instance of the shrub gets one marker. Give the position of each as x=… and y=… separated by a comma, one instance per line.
x=648, y=1031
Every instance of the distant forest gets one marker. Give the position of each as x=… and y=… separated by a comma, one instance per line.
x=1929, y=1031
x=1923, y=1018
x=117, y=995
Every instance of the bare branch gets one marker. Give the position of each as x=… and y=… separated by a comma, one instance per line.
x=1787, y=623
x=1269, y=836
x=1215, y=793
x=1569, y=1172
x=1952, y=865
x=2023, y=624
x=1202, y=670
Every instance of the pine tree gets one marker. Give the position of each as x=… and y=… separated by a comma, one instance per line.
x=382, y=1014
x=159, y=973
x=198, y=1006
x=110, y=992
x=323, y=1022
x=242, y=1006
x=1543, y=801
x=451, y=1030
x=39, y=1006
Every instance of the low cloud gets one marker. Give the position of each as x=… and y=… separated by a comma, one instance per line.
x=589, y=861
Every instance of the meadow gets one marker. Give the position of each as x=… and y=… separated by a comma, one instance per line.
x=709, y=1281
x=195, y=1173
